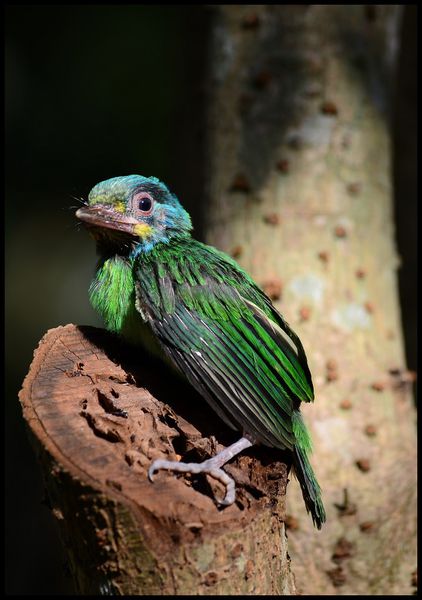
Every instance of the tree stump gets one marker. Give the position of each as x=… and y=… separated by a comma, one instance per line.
x=98, y=413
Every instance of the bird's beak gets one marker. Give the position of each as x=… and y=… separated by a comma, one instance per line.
x=101, y=216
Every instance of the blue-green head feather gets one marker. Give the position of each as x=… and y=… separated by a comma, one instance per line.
x=134, y=211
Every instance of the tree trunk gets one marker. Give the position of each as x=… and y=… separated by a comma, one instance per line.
x=300, y=193
x=98, y=416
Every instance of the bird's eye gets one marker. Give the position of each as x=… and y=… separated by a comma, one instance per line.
x=143, y=202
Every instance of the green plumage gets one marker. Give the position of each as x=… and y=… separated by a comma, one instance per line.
x=223, y=333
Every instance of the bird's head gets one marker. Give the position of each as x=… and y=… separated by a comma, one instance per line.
x=133, y=213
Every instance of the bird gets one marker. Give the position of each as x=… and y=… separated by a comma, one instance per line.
x=155, y=284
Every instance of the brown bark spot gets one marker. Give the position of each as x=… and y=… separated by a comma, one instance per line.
x=331, y=376
x=323, y=256
x=283, y=165
x=240, y=184
x=342, y=550
x=272, y=219
x=370, y=430
x=363, y=465
x=329, y=108
x=237, y=251
x=378, y=386
x=273, y=288
x=354, y=188
x=304, y=313
x=360, y=273
x=331, y=370
x=366, y=526
x=340, y=231
x=251, y=21
x=369, y=307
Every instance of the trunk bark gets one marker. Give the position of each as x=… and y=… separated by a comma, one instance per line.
x=300, y=193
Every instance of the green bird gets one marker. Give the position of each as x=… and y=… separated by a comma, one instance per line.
x=155, y=284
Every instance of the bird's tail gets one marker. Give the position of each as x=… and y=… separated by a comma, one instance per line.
x=302, y=467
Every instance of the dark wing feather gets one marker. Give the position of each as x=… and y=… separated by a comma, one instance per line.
x=289, y=344
x=233, y=381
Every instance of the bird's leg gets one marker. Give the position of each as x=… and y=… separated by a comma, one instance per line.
x=211, y=466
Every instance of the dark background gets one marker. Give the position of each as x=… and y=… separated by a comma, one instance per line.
x=93, y=92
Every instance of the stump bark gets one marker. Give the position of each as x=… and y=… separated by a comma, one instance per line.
x=98, y=413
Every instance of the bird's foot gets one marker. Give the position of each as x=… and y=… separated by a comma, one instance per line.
x=206, y=467
x=211, y=467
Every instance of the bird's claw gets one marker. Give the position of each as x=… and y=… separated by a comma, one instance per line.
x=205, y=467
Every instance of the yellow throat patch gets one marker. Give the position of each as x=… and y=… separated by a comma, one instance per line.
x=142, y=230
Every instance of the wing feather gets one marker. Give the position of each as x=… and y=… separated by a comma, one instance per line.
x=206, y=353
x=224, y=334
x=285, y=352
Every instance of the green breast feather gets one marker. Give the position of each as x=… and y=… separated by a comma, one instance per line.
x=112, y=292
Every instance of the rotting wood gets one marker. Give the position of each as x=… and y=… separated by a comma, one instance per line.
x=99, y=412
